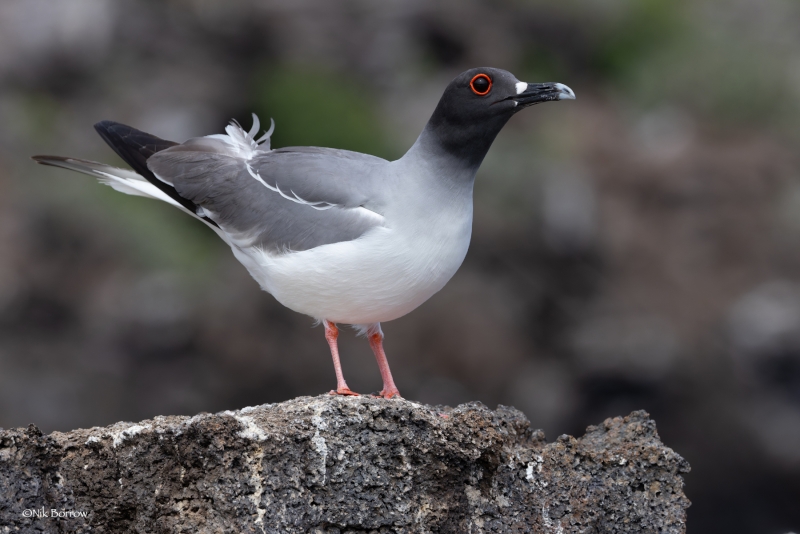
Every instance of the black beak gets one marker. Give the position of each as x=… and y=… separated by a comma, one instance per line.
x=535, y=93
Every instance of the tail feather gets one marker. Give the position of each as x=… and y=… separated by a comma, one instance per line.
x=92, y=168
x=122, y=180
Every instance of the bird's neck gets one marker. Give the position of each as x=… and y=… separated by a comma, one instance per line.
x=457, y=146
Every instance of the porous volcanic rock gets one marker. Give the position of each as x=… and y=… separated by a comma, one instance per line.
x=342, y=465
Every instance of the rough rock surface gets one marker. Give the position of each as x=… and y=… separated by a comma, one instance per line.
x=342, y=465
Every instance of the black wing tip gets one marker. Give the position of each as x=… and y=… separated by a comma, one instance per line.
x=112, y=130
x=107, y=130
x=106, y=125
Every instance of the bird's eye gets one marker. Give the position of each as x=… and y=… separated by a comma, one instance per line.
x=481, y=84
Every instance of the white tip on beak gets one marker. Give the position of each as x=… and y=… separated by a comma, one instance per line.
x=566, y=92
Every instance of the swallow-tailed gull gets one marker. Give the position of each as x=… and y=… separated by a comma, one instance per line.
x=341, y=236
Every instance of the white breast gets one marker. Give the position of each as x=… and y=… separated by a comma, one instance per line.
x=378, y=277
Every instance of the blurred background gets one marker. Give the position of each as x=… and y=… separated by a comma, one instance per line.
x=638, y=248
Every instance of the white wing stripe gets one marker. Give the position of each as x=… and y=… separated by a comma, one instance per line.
x=294, y=197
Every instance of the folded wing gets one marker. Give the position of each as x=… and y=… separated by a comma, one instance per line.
x=281, y=200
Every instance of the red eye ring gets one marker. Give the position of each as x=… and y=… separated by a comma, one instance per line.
x=475, y=90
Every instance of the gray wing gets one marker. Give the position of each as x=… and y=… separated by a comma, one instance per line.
x=288, y=199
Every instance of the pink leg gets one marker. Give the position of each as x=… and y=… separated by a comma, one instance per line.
x=376, y=342
x=331, y=335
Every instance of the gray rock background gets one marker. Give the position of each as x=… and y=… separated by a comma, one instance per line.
x=343, y=465
x=634, y=249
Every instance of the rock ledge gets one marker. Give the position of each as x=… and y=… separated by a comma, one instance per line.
x=342, y=465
